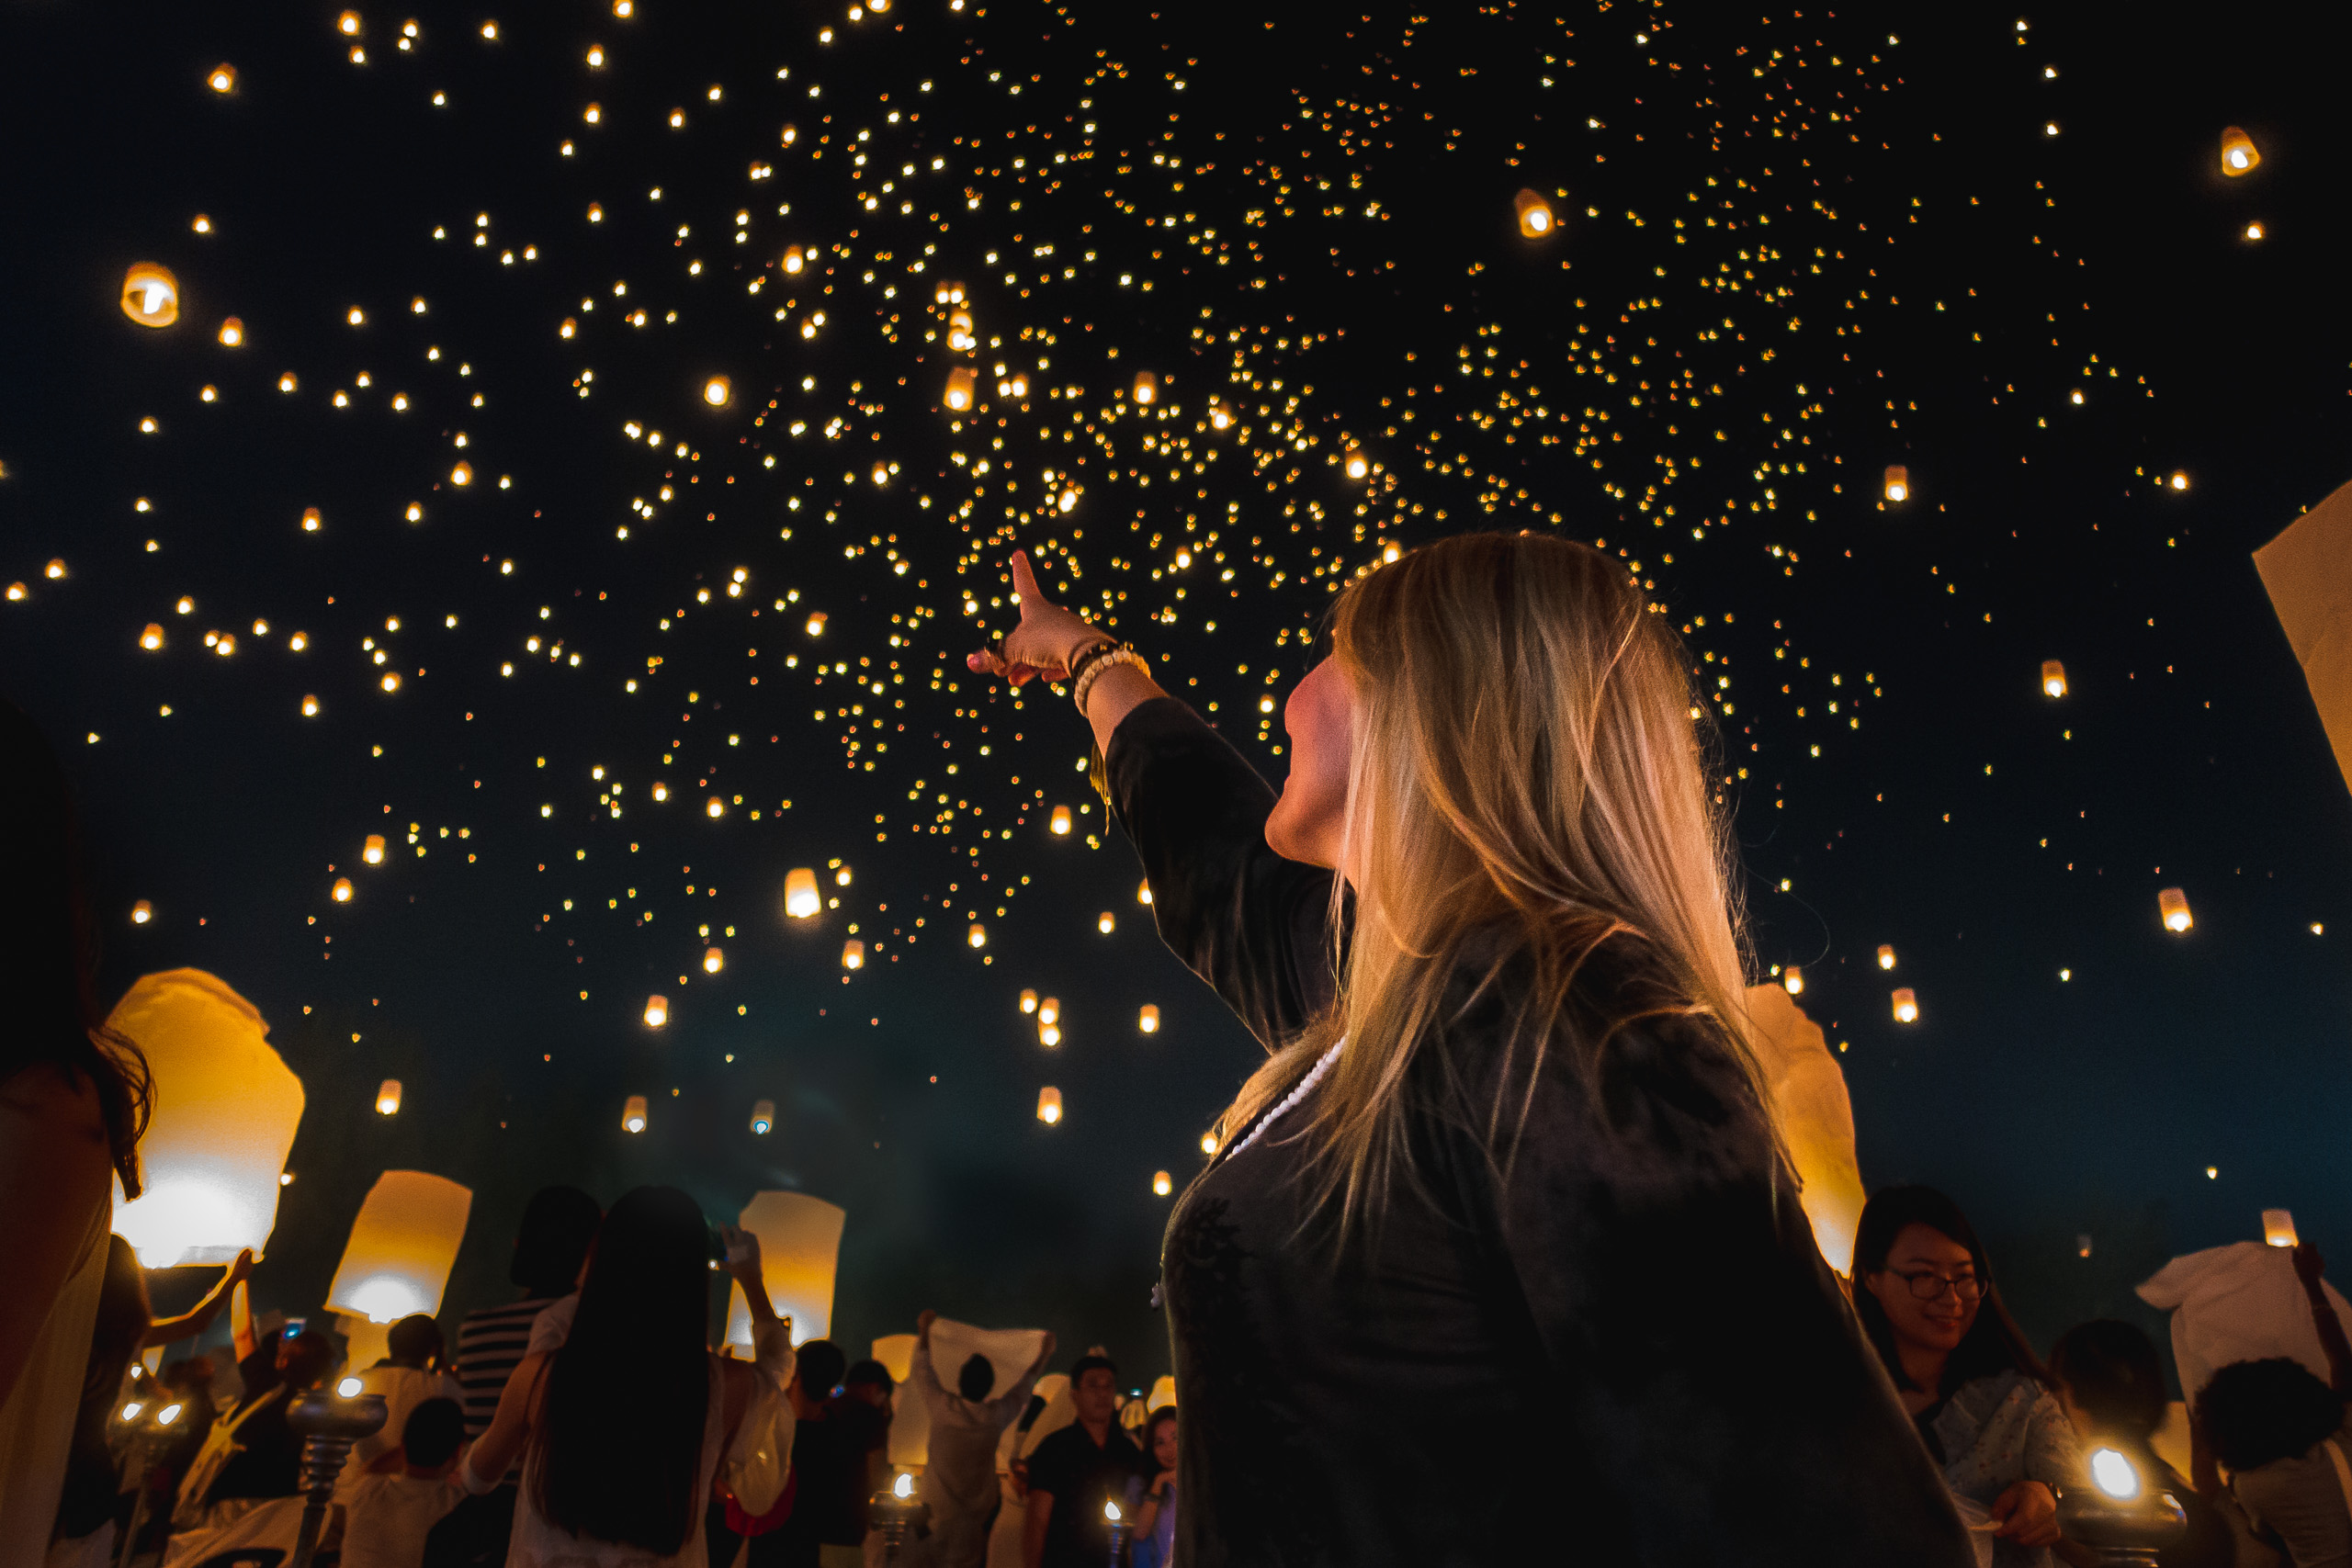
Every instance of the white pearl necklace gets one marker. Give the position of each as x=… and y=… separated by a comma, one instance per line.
x=1315, y=1075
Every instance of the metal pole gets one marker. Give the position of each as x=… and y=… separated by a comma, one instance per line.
x=329, y=1422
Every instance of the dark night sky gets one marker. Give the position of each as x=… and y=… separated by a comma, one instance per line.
x=1838, y=250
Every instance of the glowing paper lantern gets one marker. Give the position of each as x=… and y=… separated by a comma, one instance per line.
x=2307, y=571
x=1885, y=955
x=141, y=912
x=1143, y=892
x=2278, y=1227
x=1162, y=1184
x=840, y=875
x=716, y=391
x=657, y=1011
x=2173, y=904
x=633, y=1113
x=233, y=333
x=977, y=936
x=1358, y=464
x=1049, y=1010
x=1815, y=1116
x=1147, y=388
x=801, y=898
x=2054, y=677
x=1535, y=219
x=1898, y=483
x=1049, y=1035
x=153, y=637
x=815, y=626
x=713, y=960
x=1060, y=819
x=1105, y=922
x=762, y=1116
x=1028, y=1000
x=800, y=1242
x=959, y=387
x=2239, y=155
x=150, y=294
x=341, y=891
x=1907, y=1005
x=225, y=1110
x=1208, y=1141
x=374, y=852
x=853, y=955
x=1148, y=1020
x=1792, y=980
x=793, y=260
x=223, y=78
x=1049, y=1105
x=388, y=1097
x=959, y=332
x=402, y=1247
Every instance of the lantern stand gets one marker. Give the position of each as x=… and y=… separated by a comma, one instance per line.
x=2119, y=1516
x=329, y=1423
x=1117, y=1520
x=158, y=1426
x=896, y=1509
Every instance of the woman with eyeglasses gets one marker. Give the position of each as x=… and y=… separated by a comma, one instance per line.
x=1975, y=1391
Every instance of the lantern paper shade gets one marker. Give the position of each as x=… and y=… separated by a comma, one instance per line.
x=959, y=389
x=801, y=898
x=1162, y=1184
x=853, y=955
x=225, y=1110
x=1028, y=1000
x=1049, y=1010
x=2239, y=155
x=1898, y=483
x=2278, y=1227
x=1792, y=980
x=1535, y=219
x=1049, y=1105
x=373, y=853
x=388, y=1097
x=2308, y=572
x=1060, y=819
x=1147, y=388
x=1817, y=1119
x=150, y=294
x=762, y=1116
x=977, y=936
x=800, y=1241
x=1907, y=1005
x=1885, y=955
x=2173, y=905
x=633, y=1113
x=402, y=1247
x=657, y=1011
x=2054, y=677
x=1148, y=1019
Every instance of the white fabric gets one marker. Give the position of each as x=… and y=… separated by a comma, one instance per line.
x=2239, y=1302
x=387, y=1518
x=403, y=1387
x=1012, y=1352
x=37, y=1423
x=275, y=1522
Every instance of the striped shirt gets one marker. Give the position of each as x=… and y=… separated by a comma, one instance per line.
x=490, y=1345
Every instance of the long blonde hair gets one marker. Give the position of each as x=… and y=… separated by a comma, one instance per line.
x=1526, y=784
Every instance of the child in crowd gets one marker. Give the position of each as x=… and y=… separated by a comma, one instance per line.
x=388, y=1513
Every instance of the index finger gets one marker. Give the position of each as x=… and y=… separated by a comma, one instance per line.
x=1025, y=582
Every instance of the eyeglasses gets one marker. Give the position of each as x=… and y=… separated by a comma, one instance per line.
x=1927, y=1285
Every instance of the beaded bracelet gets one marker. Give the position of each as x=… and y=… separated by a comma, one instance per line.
x=1119, y=654
x=1086, y=658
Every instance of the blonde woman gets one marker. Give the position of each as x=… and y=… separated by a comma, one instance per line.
x=1498, y=1259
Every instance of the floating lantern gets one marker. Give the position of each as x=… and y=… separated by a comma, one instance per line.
x=1049, y=1105
x=1143, y=892
x=789, y=135
x=1208, y=1141
x=223, y=78
x=1358, y=464
x=2179, y=479
x=801, y=898
x=1028, y=1000
x=1148, y=1019
x=150, y=294
x=1898, y=483
x=141, y=912
x=793, y=260
x=841, y=876
x=1886, y=956
x=660, y=792
x=341, y=892
x=716, y=391
x=348, y=24
x=960, y=336
x=153, y=637
x=388, y=1097
x=1060, y=821
x=1907, y=1005
x=1220, y=416
x=311, y=520
x=762, y=1117
x=463, y=474
x=714, y=807
x=1147, y=389
x=1535, y=219
x=853, y=955
x=657, y=1011
x=959, y=387
x=815, y=626
x=374, y=854
x=713, y=960
x=233, y=333
x=402, y=1245
x=801, y=1244
x=1161, y=1184
x=2254, y=230
x=1049, y=1035
x=225, y=1109
x=2239, y=155
x=1792, y=980
x=2278, y=1227
x=2173, y=904
x=2054, y=677
x=1049, y=1010
x=881, y=473
x=310, y=707
x=977, y=936
x=633, y=1114
x=1105, y=922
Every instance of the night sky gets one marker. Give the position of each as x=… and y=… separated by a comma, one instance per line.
x=1790, y=248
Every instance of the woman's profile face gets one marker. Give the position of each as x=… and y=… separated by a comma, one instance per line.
x=1163, y=1444
x=1925, y=1259
x=1309, y=821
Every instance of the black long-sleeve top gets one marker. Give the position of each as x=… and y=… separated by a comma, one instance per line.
x=1628, y=1350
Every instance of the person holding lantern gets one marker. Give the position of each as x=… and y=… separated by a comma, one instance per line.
x=1502, y=1234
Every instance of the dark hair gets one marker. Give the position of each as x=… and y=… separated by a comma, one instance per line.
x=558, y=1224
x=975, y=1377
x=618, y=1448
x=1150, y=1433
x=2110, y=1369
x=310, y=1357
x=2253, y=1411
x=1993, y=1342
x=122, y=1321
x=1086, y=1363
x=872, y=1373
x=47, y=963
x=415, y=1337
x=433, y=1431
x=819, y=1368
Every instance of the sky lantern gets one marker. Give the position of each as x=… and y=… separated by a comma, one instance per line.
x=716, y=391
x=1162, y=1186
x=2054, y=677
x=1049, y=1105
x=225, y=1110
x=1220, y=415
x=1049, y=1010
x=1885, y=955
x=1898, y=483
x=1147, y=388
x=2173, y=904
x=793, y=259
x=762, y=1117
x=1107, y=922
x=1792, y=980
x=714, y=808
x=141, y=912
x=223, y=78
x=341, y=892
x=713, y=960
x=150, y=294
x=1143, y=892
x=2239, y=155
x=801, y=898
x=657, y=1011
x=1358, y=464
x=801, y=1244
x=1535, y=219
x=2307, y=572
x=153, y=637
x=959, y=387
x=2278, y=1227
x=959, y=331
x=402, y=1247
x=2179, y=479
x=1815, y=1116
x=815, y=626
x=374, y=854
x=388, y=1097
x=1208, y=1141
x=977, y=936
x=233, y=333
x=1060, y=819
x=1148, y=1019
x=1907, y=1005
x=1049, y=1033
x=1028, y=1000
x=853, y=955
x=633, y=1113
